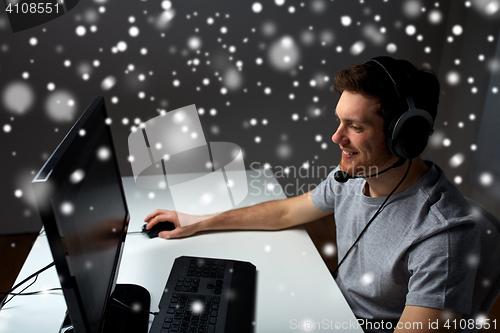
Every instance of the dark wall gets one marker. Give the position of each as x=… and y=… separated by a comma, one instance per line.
x=267, y=74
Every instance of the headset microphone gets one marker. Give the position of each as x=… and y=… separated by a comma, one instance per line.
x=342, y=176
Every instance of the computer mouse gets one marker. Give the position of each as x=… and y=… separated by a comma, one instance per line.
x=157, y=228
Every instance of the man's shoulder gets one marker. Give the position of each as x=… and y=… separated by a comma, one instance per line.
x=444, y=199
x=436, y=205
x=446, y=225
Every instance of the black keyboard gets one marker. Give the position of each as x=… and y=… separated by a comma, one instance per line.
x=207, y=295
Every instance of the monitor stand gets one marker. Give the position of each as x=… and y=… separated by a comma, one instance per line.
x=120, y=319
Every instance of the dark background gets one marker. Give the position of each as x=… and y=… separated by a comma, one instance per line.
x=49, y=74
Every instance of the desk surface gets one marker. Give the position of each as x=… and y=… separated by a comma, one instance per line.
x=294, y=287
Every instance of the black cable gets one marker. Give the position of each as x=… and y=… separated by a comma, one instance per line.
x=10, y=299
x=23, y=282
x=31, y=293
x=126, y=307
x=35, y=275
x=334, y=273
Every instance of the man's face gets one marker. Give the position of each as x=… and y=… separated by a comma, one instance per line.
x=360, y=136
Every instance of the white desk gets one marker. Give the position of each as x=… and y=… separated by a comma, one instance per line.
x=294, y=287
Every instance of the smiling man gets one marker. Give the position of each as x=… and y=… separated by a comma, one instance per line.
x=410, y=267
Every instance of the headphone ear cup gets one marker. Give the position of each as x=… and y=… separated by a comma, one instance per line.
x=390, y=135
x=408, y=135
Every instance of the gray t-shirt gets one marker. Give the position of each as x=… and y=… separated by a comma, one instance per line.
x=421, y=249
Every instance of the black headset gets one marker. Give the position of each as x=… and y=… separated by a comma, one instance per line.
x=408, y=133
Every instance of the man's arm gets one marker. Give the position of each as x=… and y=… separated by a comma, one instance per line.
x=421, y=319
x=271, y=215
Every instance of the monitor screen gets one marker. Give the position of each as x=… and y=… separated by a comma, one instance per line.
x=81, y=201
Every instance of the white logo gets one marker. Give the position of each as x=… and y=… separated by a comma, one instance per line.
x=170, y=151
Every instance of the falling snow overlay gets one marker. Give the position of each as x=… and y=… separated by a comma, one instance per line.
x=260, y=74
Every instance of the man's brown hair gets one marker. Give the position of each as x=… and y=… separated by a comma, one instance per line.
x=370, y=80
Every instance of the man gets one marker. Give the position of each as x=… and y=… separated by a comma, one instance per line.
x=411, y=264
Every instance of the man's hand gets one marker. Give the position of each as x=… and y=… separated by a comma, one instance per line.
x=162, y=216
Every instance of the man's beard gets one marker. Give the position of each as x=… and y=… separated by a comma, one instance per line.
x=363, y=167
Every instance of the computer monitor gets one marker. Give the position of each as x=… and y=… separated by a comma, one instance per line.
x=82, y=205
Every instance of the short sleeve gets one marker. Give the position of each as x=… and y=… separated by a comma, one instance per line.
x=323, y=195
x=442, y=277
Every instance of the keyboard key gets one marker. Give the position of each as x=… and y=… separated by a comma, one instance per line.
x=214, y=313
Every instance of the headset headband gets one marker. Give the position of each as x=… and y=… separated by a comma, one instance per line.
x=407, y=134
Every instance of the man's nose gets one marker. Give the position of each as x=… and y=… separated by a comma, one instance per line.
x=339, y=137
